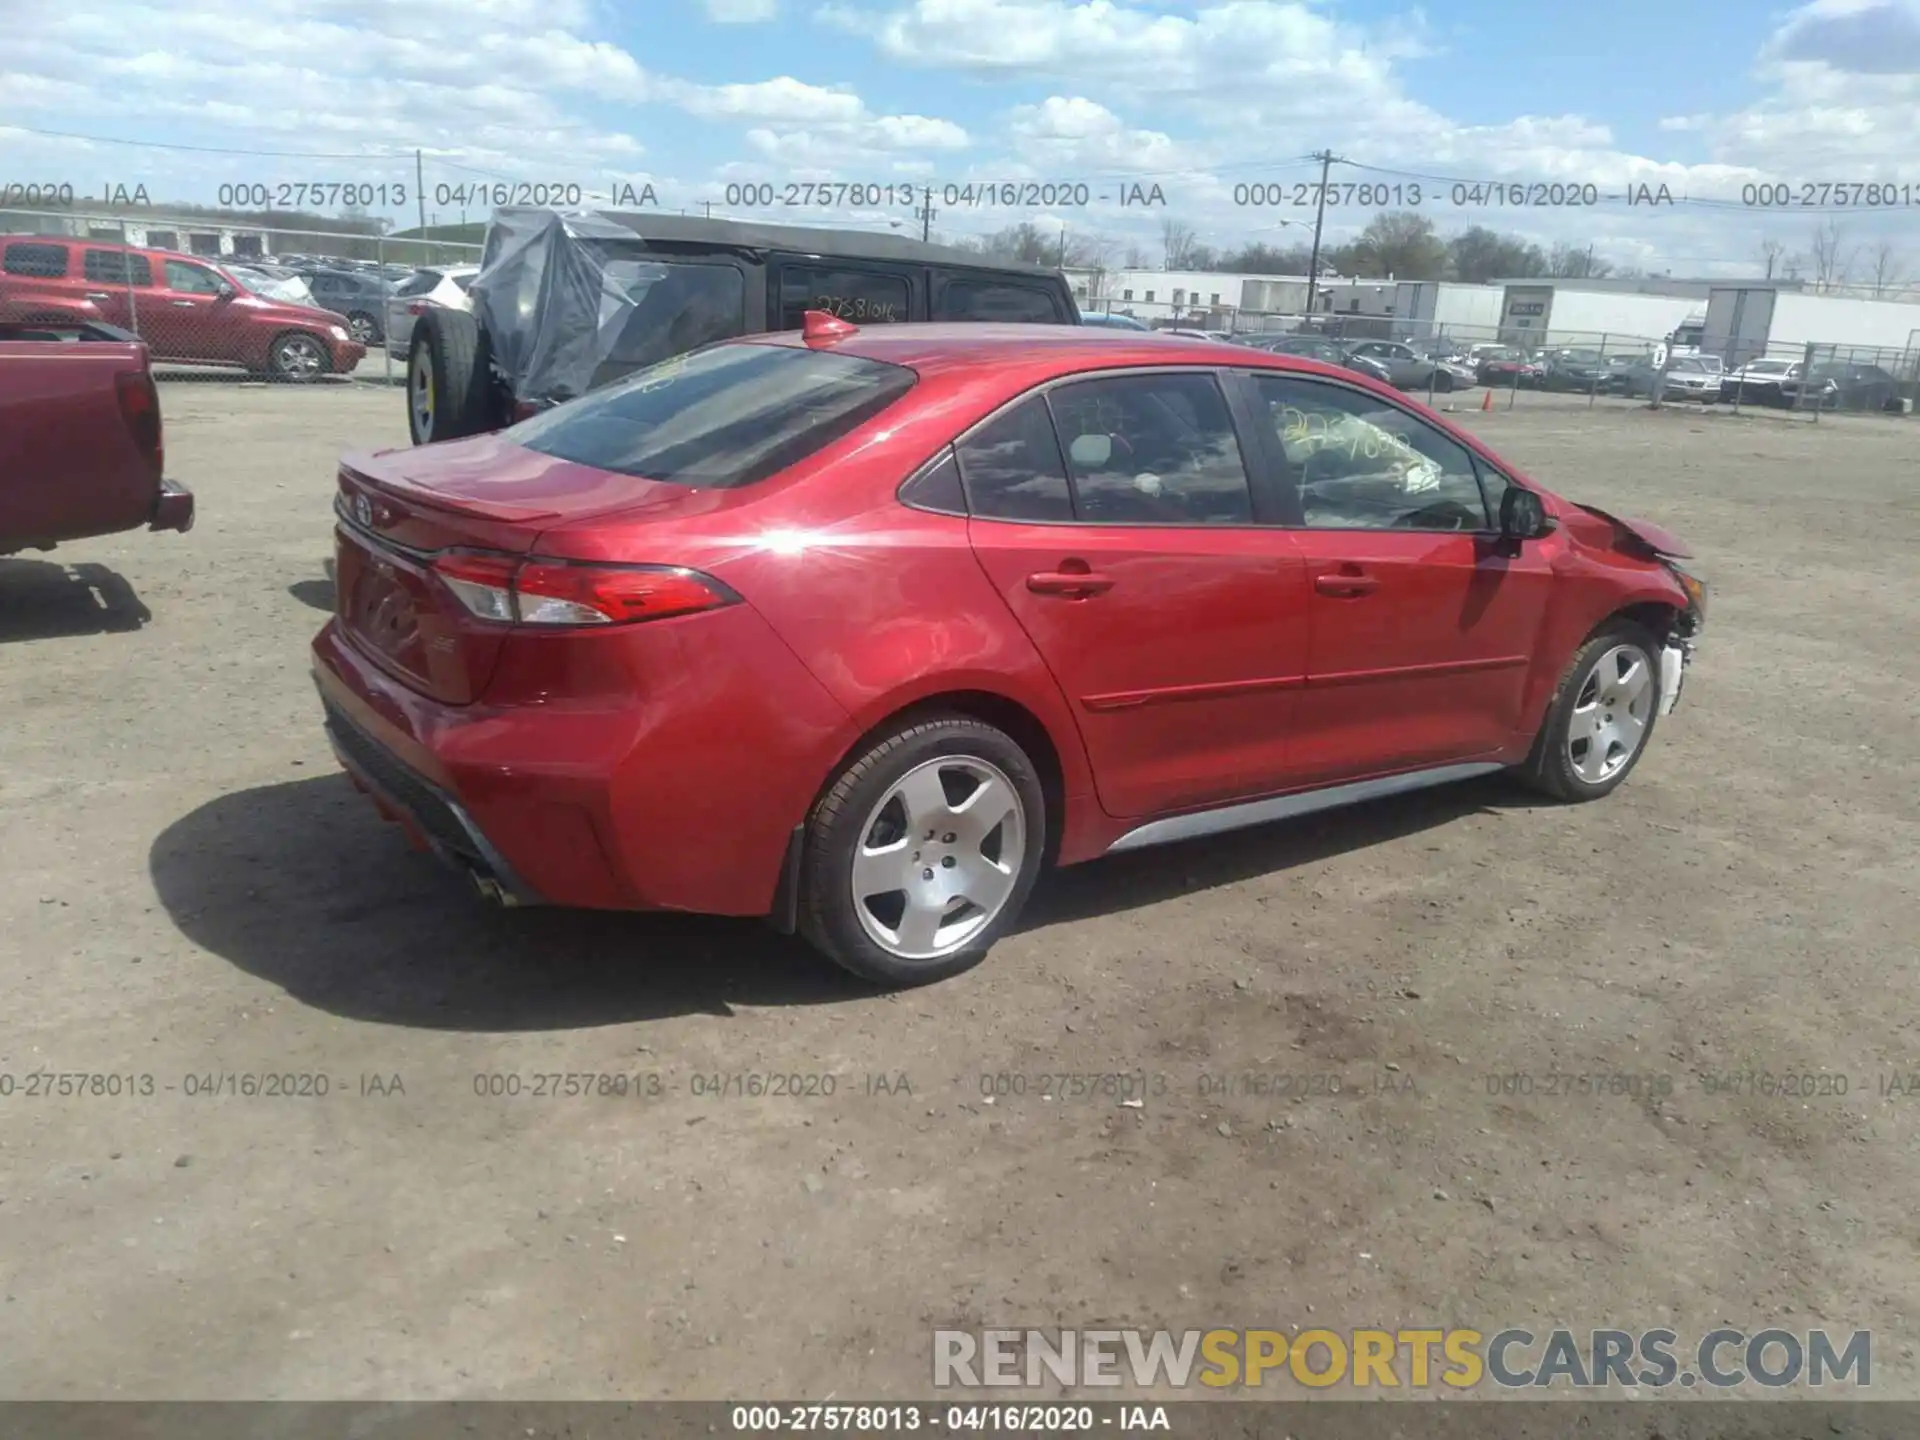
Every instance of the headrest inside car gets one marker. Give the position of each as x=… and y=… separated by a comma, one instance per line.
x=1091, y=452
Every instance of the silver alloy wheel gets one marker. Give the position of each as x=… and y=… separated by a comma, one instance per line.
x=938, y=857
x=1611, y=715
x=361, y=328
x=299, y=356
x=421, y=386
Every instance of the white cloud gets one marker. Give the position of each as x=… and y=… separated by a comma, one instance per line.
x=741, y=12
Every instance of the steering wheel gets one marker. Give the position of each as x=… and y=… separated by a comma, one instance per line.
x=1442, y=515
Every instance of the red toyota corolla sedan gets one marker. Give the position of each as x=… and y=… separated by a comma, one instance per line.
x=858, y=628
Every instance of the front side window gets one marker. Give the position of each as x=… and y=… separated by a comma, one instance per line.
x=862, y=297
x=721, y=418
x=1152, y=450
x=191, y=279
x=988, y=300
x=1361, y=463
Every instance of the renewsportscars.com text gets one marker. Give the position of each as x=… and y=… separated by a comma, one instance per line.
x=1452, y=1358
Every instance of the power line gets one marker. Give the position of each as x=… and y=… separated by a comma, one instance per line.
x=205, y=149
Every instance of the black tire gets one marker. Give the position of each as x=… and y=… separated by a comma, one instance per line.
x=1443, y=383
x=364, y=328
x=298, y=357
x=1549, y=768
x=458, y=377
x=828, y=920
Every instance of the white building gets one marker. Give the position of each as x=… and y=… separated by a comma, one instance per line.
x=1209, y=298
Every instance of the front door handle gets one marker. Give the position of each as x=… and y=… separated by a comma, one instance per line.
x=98, y=295
x=182, y=304
x=1345, y=587
x=1079, y=583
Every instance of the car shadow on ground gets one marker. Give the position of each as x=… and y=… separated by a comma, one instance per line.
x=302, y=885
x=317, y=593
x=42, y=599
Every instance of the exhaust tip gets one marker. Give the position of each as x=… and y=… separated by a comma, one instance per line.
x=493, y=891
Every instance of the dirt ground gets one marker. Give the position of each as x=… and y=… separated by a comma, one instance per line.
x=189, y=890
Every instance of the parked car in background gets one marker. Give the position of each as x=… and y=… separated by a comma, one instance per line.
x=567, y=302
x=856, y=627
x=274, y=282
x=81, y=432
x=1509, y=365
x=1308, y=347
x=186, y=308
x=446, y=286
x=361, y=297
x=1693, y=377
x=1581, y=370
x=1842, y=385
x=1110, y=321
x=1758, y=381
x=1401, y=366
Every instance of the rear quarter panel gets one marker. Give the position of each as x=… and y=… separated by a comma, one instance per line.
x=68, y=467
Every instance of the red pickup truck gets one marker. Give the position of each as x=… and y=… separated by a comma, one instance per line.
x=80, y=438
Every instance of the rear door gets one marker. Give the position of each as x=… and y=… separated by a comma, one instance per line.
x=40, y=277
x=112, y=278
x=1120, y=518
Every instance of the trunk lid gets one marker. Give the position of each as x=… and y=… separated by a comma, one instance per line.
x=398, y=509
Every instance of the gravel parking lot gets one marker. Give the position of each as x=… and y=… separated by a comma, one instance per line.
x=192, y=892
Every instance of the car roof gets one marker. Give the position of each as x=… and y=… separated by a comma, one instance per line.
x=957, y=346
x=757, y=235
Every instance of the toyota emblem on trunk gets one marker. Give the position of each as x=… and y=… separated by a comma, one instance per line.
x=363, y=510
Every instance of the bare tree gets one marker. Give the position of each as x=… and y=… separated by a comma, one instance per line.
x=1136, y=258
x=1832, y=256
x=1887, y=266
x=1773, y=252
x=1179, y=242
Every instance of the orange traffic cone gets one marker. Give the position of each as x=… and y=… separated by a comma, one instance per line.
x=1486, y=401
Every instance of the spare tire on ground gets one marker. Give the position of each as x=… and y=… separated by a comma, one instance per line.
x=450, y=386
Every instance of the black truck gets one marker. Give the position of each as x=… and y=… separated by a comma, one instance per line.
x=566, y=302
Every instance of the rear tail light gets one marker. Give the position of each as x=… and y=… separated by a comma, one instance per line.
x=418, y=307
x=140, y=409
x=510, y=591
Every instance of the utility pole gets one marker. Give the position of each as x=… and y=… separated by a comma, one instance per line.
x=420, y=187
x=926, y=212
x=709, y=205
x=1589, y=274
x=1063, y=245
x=1325, y=157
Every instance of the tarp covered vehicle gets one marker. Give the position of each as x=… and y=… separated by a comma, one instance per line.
x=569, y=301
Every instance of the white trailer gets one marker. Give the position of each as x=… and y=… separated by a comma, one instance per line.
x=1748, y=320
x=1547, y=315
x=1431, y=306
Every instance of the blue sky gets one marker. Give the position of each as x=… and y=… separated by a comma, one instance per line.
x=691, y=96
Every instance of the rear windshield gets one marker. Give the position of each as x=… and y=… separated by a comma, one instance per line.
x=719, y=418
x=418, y=283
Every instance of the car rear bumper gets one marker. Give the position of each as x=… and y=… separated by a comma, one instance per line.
x=172, y=508
x=653, y=799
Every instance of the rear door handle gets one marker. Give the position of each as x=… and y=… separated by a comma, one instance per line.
x=1069, y=582
x=98, y=295
x=182, y=304
x=1345, y=587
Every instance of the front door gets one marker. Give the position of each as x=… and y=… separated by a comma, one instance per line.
x=1115, y=517
x=1423, y=624
x=117, y=285
x=186, y=317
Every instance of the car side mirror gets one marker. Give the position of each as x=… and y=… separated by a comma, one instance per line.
x=225, y=292
x=1523, y=515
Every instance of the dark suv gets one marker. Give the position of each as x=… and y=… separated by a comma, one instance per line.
x=568, y=302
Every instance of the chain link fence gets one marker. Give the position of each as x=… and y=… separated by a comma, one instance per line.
x=216, y=300
x=1439, y=358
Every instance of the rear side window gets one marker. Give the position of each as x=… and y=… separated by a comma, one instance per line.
x=421, y=282
x=116, y=267
x=46, y=262
x=864, y=297
x=676, y=308
x=1013, y=468
x=990, y=300
x=725, y=417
